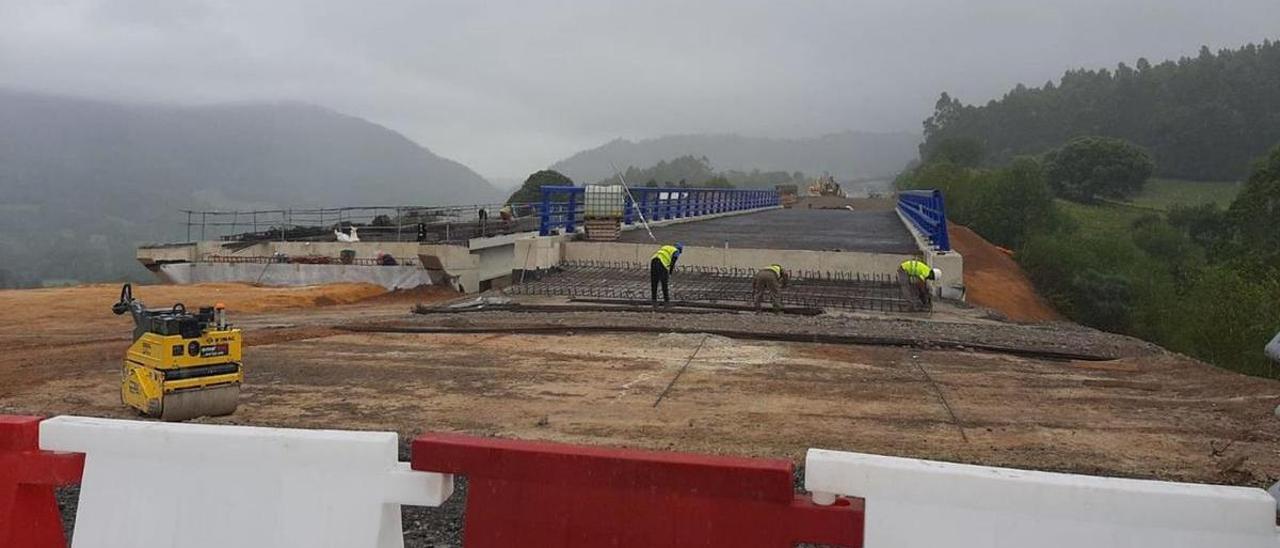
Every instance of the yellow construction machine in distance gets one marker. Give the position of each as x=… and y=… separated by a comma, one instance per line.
x=181, y=365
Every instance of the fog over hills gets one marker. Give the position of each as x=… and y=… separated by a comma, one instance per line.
x=85, y=181
x=846, y=155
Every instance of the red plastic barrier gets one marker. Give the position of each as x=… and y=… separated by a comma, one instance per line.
x=523, y=493
x=28, y=510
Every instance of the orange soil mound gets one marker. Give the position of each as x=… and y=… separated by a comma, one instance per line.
x=96, y=299
x=993, y=280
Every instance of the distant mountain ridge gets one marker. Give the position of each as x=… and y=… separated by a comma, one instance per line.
x=84, y=181
x=847, y=155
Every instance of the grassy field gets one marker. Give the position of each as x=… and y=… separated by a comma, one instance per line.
x=1102, y=219
x=1165, y=193
x=1159, y=195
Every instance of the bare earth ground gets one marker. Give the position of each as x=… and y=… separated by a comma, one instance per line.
x=1148, y=413
x=994, y=280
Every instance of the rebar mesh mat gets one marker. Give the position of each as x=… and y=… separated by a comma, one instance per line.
x=628, y=280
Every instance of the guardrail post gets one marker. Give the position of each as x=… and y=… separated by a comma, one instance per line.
x=544, y=216
x=572, y=214
x=943, y=239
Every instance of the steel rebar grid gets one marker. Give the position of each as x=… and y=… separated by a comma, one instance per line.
x=628, y=280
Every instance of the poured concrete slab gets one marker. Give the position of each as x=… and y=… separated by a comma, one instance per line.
x=803, y=229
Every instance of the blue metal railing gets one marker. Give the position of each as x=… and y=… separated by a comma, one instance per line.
x=562, y=206
x=925, y=210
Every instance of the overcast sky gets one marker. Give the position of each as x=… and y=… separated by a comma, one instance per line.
x=511, y=87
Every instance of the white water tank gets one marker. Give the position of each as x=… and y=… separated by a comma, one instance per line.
x=603, y=202
x=1273, y=349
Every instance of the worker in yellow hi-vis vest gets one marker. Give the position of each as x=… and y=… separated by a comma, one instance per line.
x=660, y=268
x=770, y=280
x=913, y=277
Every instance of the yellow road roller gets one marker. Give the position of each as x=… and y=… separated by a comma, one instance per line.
x=181, y=365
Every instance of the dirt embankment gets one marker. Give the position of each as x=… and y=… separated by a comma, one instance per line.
x=46, y=333
x=992, y=279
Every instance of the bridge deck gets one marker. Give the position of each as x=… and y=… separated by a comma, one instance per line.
x=803, y=229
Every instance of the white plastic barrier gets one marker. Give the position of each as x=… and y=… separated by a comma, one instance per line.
x=917, y=503
x=200, y=485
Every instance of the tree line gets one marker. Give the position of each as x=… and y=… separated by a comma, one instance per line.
x=681, y=172
x=1201, y=118
x=696, y=172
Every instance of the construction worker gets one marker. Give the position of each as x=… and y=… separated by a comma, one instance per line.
x=661, y=266
x=770, y=280
x=913, y=277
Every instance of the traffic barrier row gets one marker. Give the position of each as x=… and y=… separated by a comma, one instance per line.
x=550, y=494
x=917, y=503
x=198, y=485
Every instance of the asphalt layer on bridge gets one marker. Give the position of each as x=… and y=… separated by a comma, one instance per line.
x=807, y=229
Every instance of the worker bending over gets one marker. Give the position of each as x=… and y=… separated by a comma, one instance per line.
x=913, y=277
x=660, y=268
x=770, y=280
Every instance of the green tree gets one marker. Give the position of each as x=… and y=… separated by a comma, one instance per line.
x=1105, y=299
x=1088, y=168
x=1256, y=212
x=1011, y=203
x=1226, y=317
x=1206, y=225
x=718, y=181
x=1168, y=245
x=961, y=151
x=531, y=190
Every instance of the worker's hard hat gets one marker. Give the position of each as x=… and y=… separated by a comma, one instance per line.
x=936, y=274
x=679, y=246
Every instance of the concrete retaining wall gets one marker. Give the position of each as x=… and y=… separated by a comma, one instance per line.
x=390, y=277
x=196, y=251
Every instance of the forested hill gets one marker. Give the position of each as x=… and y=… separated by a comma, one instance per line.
x=846, y=155
x=84, y=181
x=1202, y=118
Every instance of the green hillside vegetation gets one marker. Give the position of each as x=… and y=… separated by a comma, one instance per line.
x=86, y=181
x=1197, y=279
x=1202, y=118
x=1164, y=194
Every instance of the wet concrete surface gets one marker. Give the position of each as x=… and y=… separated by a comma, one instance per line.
x=808, y=229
